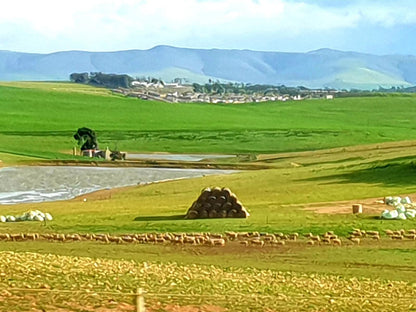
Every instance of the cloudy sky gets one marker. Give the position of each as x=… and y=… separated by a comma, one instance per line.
x=372, y=26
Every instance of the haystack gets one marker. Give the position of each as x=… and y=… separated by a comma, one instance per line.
x=217, y=203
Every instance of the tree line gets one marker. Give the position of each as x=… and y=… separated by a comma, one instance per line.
x=242, y=88
x=102, y=80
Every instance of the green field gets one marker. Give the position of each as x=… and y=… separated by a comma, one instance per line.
x=312, y=154
x=39, y=120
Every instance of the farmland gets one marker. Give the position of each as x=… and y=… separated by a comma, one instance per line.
x=38, y=120
x=310, y=155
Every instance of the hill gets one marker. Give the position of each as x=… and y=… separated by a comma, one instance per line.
x=316, y=69
x=39, y=119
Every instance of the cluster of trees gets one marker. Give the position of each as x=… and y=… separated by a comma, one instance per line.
x=216, y=87
x=397, y=89
x=376, y=92
x=102, y=80
x=241, y=88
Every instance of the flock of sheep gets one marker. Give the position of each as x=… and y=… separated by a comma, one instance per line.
x=211, y=239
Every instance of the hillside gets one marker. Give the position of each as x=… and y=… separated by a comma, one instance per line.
x=316, y=69
x=39, y=120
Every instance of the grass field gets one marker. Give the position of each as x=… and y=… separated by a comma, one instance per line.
x=316, y=154
x=39, y=119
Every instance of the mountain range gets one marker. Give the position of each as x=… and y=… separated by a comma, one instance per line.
x=316, y=69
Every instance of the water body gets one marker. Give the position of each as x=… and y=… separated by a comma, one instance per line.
x=177, y=157
x=39, y=184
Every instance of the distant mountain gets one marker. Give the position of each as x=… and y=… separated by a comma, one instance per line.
x=315, y=69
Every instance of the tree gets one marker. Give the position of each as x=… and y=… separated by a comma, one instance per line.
x=197, y=88
x=79, y=77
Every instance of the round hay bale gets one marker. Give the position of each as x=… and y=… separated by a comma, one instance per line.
x=217, y=206
x=206, y=206
x=197, y=207
x=242, y=214
x=204, y=195
x=200, y=200
x=206, y=190
x=221, y=199
x=226, y=192
x=232, y=213
x=227, y=206
x=213, y=214
x=192, y=214
x=237, y=206
x=222, y=214
x=212, y=199
x=216, y=191
x=357, y=208
x=203, y=214
x=246, y=212
x=233, y=198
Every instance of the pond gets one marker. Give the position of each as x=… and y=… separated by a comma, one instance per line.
x=177, y=157
x=51, y=183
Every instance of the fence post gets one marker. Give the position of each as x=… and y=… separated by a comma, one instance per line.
x=140, y=300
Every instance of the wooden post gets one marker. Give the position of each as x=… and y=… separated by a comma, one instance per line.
x=140, y=300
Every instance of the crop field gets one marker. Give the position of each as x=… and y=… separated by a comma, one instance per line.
x=308, y=162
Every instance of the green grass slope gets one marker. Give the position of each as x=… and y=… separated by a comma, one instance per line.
x=365, y=78
x=39, y=119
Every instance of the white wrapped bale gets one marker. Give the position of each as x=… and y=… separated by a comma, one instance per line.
x=401, y=216
x=388, y=200
x=410, y=213
x=400, y=208
x=406, y=200
x=396, y=200
x=404, y=209
x=10, y=219
x=39, y=218
x=387, y=214
x=31, y=215
x=48, y=217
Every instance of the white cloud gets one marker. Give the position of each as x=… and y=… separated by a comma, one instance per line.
x=389, y=15
x=128, y=24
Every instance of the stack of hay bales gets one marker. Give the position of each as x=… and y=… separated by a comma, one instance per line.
x=216, y=203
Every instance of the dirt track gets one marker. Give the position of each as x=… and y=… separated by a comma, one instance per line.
x=370, y=205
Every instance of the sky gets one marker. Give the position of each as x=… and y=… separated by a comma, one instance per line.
x=370, y=26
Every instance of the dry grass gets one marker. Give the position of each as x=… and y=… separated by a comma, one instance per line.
x=103, y=282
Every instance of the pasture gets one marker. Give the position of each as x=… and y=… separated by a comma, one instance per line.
x=315, y=158
x=38, y=120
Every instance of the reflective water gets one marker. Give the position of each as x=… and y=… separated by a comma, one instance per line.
x=178, y=157
x=39, y=184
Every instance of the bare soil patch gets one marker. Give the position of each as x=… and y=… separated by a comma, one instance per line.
x=374, y=205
